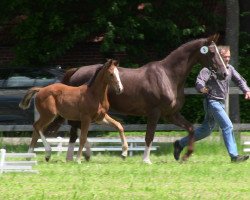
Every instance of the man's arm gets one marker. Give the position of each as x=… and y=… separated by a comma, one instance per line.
x=247, y=95
x=201, y=81
x=241, y=83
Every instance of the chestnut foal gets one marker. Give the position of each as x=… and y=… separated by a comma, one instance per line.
x=86, y=103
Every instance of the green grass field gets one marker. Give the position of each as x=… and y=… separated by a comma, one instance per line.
x=208, y=174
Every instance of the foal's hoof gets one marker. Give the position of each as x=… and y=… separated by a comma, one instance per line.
x=147, y=161
x=123, y=157
x=78, y=161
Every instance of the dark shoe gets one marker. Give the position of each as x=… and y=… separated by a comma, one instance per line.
x=238, y=159
x=177, y=150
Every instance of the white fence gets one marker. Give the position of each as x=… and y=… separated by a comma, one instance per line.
x=97, y=144
x=16, y=165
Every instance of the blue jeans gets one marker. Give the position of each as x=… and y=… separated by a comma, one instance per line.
x=215, y=112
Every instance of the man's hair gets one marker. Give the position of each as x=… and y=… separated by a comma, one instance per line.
x=223, y=48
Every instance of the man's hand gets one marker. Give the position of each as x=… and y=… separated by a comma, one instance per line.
x=247, y=95
x=205, y=90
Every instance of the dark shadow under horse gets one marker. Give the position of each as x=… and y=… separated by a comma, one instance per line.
x=156, y=89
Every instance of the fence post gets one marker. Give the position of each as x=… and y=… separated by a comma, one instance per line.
x=60, y=145
x=3, y=154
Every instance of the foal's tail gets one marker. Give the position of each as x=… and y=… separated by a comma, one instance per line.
x=25, y=103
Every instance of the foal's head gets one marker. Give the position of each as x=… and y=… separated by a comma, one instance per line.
x=212, y=59
x=112, y=75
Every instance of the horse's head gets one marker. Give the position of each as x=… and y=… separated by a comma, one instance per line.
x=113, y=77
x=212, y=59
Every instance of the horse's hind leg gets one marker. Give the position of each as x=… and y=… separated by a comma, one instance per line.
x=53, y=127
x=153, y=118
x=117, y=125
x=179, y=120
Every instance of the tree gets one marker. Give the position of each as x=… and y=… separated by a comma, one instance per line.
x=50, y=27
x=232, y=39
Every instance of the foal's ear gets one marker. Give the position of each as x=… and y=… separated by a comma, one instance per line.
x=108, y=63
x=116, y=62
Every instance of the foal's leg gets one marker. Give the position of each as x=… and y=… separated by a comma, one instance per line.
x=72, y=140
x=179, y=120
x=83, y=137
x=33, y=142
x=87, y=150
x=39, y=127
x=117, y=125
x=153, y=118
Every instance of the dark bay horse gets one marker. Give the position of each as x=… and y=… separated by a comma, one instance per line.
x=86, y=103
x=156, y=89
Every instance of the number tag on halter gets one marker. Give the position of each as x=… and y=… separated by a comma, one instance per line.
x=204, y=50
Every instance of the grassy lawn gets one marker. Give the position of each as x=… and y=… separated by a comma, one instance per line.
x=161, y=133
x=208, y=174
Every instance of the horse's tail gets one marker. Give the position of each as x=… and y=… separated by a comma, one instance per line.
x=68, y=75
x=25, y=103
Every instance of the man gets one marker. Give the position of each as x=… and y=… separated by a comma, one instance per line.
x=215, y=92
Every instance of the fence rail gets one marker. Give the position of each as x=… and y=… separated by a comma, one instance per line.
x=127, y=127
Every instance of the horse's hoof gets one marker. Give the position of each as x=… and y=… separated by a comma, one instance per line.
x=148, y=162
x=87, y=158
x=47, y=159
x=68, y=159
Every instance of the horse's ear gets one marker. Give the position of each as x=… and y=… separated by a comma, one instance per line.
x=214, y=38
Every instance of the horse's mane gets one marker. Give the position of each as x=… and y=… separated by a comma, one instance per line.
x=177, y=50
x=91, y=81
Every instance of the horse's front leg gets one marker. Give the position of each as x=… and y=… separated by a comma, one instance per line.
x=83, y=137
x=179, y=120
x=117, y=125
x=153, y=118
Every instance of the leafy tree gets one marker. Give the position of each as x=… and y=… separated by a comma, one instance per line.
x=48, y=28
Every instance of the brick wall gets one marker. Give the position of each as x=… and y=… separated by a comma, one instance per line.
x=6, y=55
x=84, y=54
x=81, y=54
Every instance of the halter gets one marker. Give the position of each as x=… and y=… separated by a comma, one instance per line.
x=204, y=50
